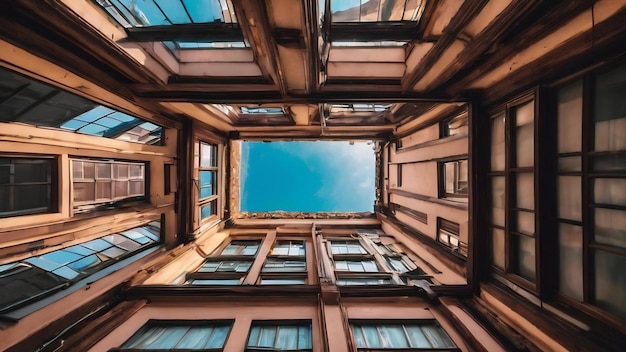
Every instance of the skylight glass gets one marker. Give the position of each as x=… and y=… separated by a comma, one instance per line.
x=304, y=176
x=359, y=107
x=23, y=99
x=173, y=46
x=35, y=276
x=262, y=110
x=145, y=13
x=373, y=10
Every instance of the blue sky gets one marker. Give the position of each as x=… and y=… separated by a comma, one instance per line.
x=307, y=176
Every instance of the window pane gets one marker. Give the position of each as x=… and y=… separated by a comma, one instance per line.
x=392, y=336
x=610, y=282
x=610, y=227
x=214, y=282
x=570, y=163
x=610, y=191
x=525, y=222
x=570, y=202
x=610, y=163
x=208, y=209
x=497, y=143
x=610, y=110
x=84, y=192
x=498, y=197
x=525, y=146
x=571, y=260
x=437, y=336
x=103, y=190
x=417, y=337
x=287, y=338
x=208, y=155
x=287, y=281
x=523, y=256
x=525, y=191
x=570, y=111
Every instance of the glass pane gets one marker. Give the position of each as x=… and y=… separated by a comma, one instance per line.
x=610, y=163
x=497, y=143
x=610, y=110
x=523, y=256
x=214, y=282
x=103, y=190
x=570, y=111
x=417, y=337
x=437, y=336
x=525, y=222
x=207, y=155
x=610, y=227
x=304, y=337
x=570, y=164
x=370, y=266
x=218, y=338
x=392, y=336
x=371, y=336
x=525, y=191
x=571, y=260
x=497, y=248
x=570, y=202
x=103, y=171
x=525, y=146
x=498, y=197
x=84, y=191
x=120, y=188
x=610, y=282
x=287, y=338
x=267, y=335
x=610, y=191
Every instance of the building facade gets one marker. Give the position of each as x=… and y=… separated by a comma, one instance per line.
x=499, y=129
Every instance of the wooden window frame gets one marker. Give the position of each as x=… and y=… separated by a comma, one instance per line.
x=53, y=186
x=402, y=322
x=300, y=274
x=509, y=173
x=399, y=176
x=452, y=229
x=444, y=125
x=455, y=195
x=87, y=205
x=177, y=323
x=588, y=205
x=212, y=200
x=282, y=322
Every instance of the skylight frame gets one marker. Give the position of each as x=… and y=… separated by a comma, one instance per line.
x=368, y=31
x=67, y=111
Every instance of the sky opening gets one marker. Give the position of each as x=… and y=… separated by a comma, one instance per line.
x=303, y=176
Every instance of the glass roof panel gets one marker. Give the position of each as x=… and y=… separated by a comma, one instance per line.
x=145, y=13
x=373, y=10
x=262, y=110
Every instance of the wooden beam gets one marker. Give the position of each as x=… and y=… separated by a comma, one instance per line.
x=523, y=35
x=489, y=39
x=603, y=41
x=463, y=17
x=252, y=16
x=216, y=32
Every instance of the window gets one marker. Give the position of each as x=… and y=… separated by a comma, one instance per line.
x=415, y=214
x=453, y=179
x=399, y=19
x=29, y=101
x=26, y=186
x=347, y=247
x=98, y=182
x=151, y=21
x=448, y=233
x=179, y=336
x=213, y=266
x=399, y=180
x=242, y=247
x=455, y=125
x=207, y=181
x=286, y=257
x=280, y=336
x=396, y=260
x=356, y=266
x=363, y=281
x=513, y=191
x=32, y=278
x=229, y=268
x=591, y=192
x=418, y=335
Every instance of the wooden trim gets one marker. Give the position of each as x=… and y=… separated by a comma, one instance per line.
x=603, y=40
x=415, y=214
x=456, y=205
x=566, y=334
x=466, y=13
x=449, y=112
x=433, y=142
x=492, y=36
x=527, y=33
